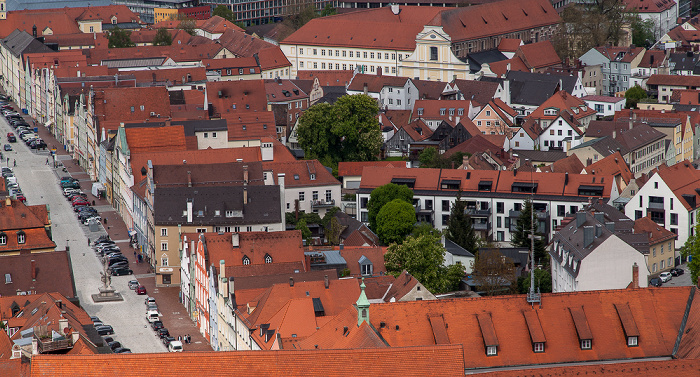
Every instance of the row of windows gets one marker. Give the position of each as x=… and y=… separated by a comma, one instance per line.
x=648, y=163
x=353, y=54
x=21, y=238
x=314, y=196
x=344, y=67
x=665, y=263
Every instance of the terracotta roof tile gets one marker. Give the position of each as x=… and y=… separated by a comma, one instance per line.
x=538, y=55
x=509, y=44
x=656, y=233
x=682, y=178
x=52, y=273
x=502, y=67
x=571, y=165
x=250, y=125
x=234, y=97
x=649, y=6
x=354, y=168
x=679, y=368
x=374, y=83
x=114, y=105
x=563, y=102
x=327, y=78
x=474, y=145
x=336, y=334
x=155, y=139
x=327, y=363
x=674, y=80
x=613, y=165
x=218, y=24
x=626, y=54
x=655, y=62
x=174, y=76
x=302, y=170
x=353, y=255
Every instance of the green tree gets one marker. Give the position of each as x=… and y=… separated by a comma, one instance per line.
x=423, y=257
x=423, y=228
x=189, y=25
x=643, y=32
x=431, y=158
x=162, y=38
x=328, y=10
x=345, y=131
x=305, y=231
x=299, y=13
x=520, y=238
x=543, y=282
x=383, y=195
x=691, y=249
x=460, y=229
x=633, y=95
x=119, y=38
x=333, y=231
x=395, y=221
x=224, y=12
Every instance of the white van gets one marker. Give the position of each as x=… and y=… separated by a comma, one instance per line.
x=152, y=316
x=175, y=346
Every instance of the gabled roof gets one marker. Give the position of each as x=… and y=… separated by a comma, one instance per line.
x=327, y=78
x=418, y=130
x=613, y=165
x=652, y=59
x=656, y=232
x=336, y=334
x=19, y=43
x=479, y=91
x=239, y=96
x=683, y=179
x=509, y=44
x=37, y=273
x=374, y=83
x=30, y=220
x=649, y=6
x=155, y=137
x=563, y=102
x=354, y=256
x=674, y=80
x=176, y=52
x=301, y=173
x=442, y=109
x=620, y=54
x=571, y=165
x=679, y=368
x=114, y=105
x=282, y=247
x=502, y=67
x=538, y=55
x=536, y=88
x=207, y=174
x=390, y=362
x=218, y=24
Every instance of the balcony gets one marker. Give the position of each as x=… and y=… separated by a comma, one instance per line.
x=655, y=205
x=475, y=212
x=482, y=226
x=322, y=203
x=420, y=209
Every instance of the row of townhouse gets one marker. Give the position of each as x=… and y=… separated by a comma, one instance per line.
x=494, y=198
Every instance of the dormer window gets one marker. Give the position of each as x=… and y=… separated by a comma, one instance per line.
x=442, y=111
x=312, y=176
x=21, y=237
x=491, y=351
x=632, y=341
x=586, y=344
x=229, y=213
x=3, y=239
x=246, y=260
x=268, y=258
x=538, y=347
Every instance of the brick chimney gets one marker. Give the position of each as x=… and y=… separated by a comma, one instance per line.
x=189, y=178
x=635, y=276
x=326, y=283
x=33, y=270
x=245, y=175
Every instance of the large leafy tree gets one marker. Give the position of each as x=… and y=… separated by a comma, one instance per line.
x=189, y=25
x=423, y=257
x=224, y=12
x=459, y=227
x=162, y=38
x=119, y=38
x=543, y=281
x=345, y=131
x=395, y=220
x=431, y=158
x=643, y=32
x=305, y=231
x=520, y=238
x=383, y=195
x=691, y=249
x=633, y=95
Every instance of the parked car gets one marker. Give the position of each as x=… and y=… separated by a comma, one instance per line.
x=21, y=197
x=95, y=319
x=7, y=147
x=114, y=345
x=91, y=220
x=140, y=290
x=133, y=284
x=175, y=346
x=79, y=202
x=149, y=300
x=163, y=332
x=665, y=276
x=121, y=350
x=655, y=282
x=155, y=325
x=107, y=339
x=677, y=271
x=167, y=339
x=104, y=330
x=119, y=271
x=152, y=307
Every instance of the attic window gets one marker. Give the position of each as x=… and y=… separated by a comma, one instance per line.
x=586, y=344
x=529, y=187
x=243, y=127
x=8, y=279
x=21, y=237
x=491, y=351
x=587, y=190
x=200, y=213
x=229, y=213
x=246, y=260
x=449, y=184
x=538, y=347
x=217, y=212
x=132, y=109
x=296, y=177
x=485, y=185
x=268, y=258
x=420, y=111
x=312, y=176
x=3, y=239
x=410, y=182
x=442, y=111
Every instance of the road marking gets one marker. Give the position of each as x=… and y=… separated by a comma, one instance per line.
x=176, y=312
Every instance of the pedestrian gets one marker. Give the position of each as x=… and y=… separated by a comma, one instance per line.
x=189, y=339
x=88, y=242
x=179, y=337
x=15, y=162
x=47, y=160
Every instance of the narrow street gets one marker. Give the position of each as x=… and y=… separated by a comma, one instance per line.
x=39, y=183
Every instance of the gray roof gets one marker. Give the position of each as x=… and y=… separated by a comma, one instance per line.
x=607, y=146
x=682, y=62
x=544, y=156
x=201, y=125
x=332, y=257
x=476, y=59
x=332, y=93
x=455, y=249
x=21, y=42
x=528, y=88
x=263, y=205
x=136, y=62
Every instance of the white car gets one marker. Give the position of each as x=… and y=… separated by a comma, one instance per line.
x=665, y=276
x=175, y=346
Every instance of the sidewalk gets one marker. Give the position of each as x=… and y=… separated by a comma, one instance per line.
x=174, y=316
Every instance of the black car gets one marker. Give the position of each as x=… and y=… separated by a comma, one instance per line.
x=677, y=271
x=105, y=330
x=117, y=259
x=655, y=282
x=167, y=339
x=155, y=325
x=107, y=339
x=114, y=345
x=163, y=332
x=119, y=271
x=121, y=350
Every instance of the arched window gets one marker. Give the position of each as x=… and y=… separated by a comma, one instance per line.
x=21, y=237
x=246, y=260
x=268, y=258
x=3, y=239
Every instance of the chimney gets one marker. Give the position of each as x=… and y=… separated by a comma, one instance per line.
x=598, y=230
x=325, y=281
x=395, y=9
x=614, y=135
x=280, y=182
x=245, y=195
x=580, y=218
x=223, y=287
x=75, y=336
x=8, y=202
x=189, y=210
x=59, y=303
x=245, y=174
x=189, y=178
x=63, y=325
x=33, y=270
x=588, y=235
x=610, y=225
x=600, y=217
x=364, y=88
x=566, y=178
x=635, y=275
x=235, y=240
x=631, y=124
x=34, y=31
x=291, y=281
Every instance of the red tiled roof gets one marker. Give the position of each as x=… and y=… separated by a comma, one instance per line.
x=397, y=118
x=176, y=76
x=434, y=109
x=674, y=80
x=218, y=24
x=613, y=165
x=250, y=125
x=113, y=105
x=612, y=52
x=273, y=58
x=31, y=220
x=371, y=28
x=509, y=44
x=538, y=55
x=155, y=139
x=571, y=165
x=52, y=273
x=654, y=310
x=677, y=368
x=244, y=45
x=246, y=95
x=337, y=335
x=686, y=97
x=563, y=102
x=495, y=18
x=682, y=178
x=502, y=67
x=418, y=130
x=298, y=173
x=354, y=168
x=176, y=52
x=656, y=233
x=327, y=363
x=658, y=59
x=352, y=256
x=649, y=6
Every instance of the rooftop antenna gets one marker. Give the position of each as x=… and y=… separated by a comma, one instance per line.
x=532, y=296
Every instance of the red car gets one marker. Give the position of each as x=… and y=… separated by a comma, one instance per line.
x=21, y=198
x=77, y=203
x=140, y=290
